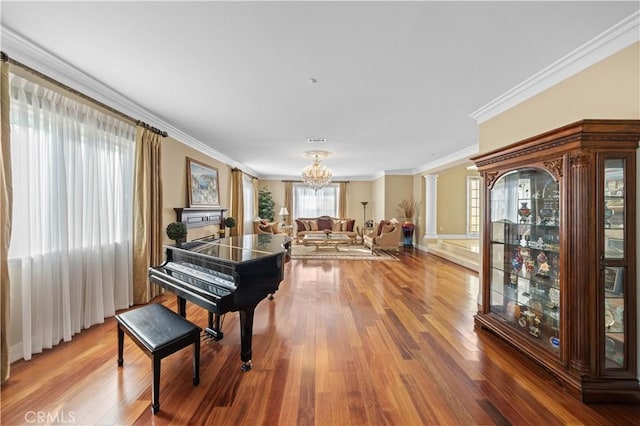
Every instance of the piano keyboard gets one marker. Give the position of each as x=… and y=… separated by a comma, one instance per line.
x=204, y=278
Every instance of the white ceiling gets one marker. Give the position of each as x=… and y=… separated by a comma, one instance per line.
x=396, y=81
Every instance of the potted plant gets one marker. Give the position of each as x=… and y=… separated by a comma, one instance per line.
x=177, y=231
x=265, y=204
x=229, y=222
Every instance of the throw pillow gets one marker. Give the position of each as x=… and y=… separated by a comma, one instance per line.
x=301, y=225
x=313, y=225
x=349, y=226
x=264, y=228
x=324, y=222
x=336, y=225
x=380, y=225
x=386, y=228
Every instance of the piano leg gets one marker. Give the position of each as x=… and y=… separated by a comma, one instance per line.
x=182, y=307
x=246, y=333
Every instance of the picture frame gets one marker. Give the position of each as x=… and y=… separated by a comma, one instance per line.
x=202, y=184
x=613, y=280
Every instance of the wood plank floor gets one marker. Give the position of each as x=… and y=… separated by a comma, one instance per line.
x=343, y=343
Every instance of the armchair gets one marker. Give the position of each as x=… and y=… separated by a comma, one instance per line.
x=385, y=237
x=265, y=227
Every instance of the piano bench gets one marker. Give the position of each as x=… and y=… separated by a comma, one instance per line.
x=159, y=332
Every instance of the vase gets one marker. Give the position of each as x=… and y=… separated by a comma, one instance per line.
x=546, y=213
x=407, y=233
x=524, y=211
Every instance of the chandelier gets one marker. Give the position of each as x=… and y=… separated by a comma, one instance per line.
x=314, y=175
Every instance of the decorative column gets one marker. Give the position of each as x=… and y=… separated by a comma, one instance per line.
x=431, y=206
x=581, y=284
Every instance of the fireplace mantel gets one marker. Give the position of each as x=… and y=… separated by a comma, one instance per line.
x=194, y=217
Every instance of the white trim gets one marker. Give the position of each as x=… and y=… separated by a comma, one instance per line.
x=613, y=40
x=31, y=55
x=422, y=247
x=458, y=236
x=450, y=160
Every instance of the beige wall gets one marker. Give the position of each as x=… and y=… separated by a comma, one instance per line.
x=397, y=188
x=174, y=183
x=376, y=213
x=452, y=200
x=608, y=89
x=358, y=191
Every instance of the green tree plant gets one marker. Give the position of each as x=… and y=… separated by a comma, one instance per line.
x=265, y=204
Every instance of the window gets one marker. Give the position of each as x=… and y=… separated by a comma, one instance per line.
x=473, y=205
x=247, y=203
x=308, y=202
x=70, y=251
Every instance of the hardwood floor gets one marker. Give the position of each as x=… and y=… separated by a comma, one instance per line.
x=344, y=342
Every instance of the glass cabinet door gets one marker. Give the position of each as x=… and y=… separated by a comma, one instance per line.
x=525, y=255
x=613, y=268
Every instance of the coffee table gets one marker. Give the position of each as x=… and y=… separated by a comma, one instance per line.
x=326, y=240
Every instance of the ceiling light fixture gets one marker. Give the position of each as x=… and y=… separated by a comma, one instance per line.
x=314, y=175
x=316, y=140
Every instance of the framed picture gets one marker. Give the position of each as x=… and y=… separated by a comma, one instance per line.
x=202, y=182
x=613, y=280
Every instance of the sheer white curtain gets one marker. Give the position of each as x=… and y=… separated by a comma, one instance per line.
x=247, y=196
x=72, y=213
x=308, y=202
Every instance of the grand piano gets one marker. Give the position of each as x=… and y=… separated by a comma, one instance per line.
x=225, y=275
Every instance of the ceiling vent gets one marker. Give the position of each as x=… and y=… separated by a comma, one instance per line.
x=317, y=140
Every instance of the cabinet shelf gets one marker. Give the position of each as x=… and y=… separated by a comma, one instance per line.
x=559, y=262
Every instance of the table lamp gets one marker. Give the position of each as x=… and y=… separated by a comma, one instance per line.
x=284, y=213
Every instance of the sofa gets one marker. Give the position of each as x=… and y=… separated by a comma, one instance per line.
x=318, y=225
x=386, y=236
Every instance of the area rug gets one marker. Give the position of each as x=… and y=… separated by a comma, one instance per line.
x=352, y=252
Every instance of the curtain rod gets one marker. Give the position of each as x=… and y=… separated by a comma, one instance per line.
x=235, y=169
x=5, y=58
x=301, y=181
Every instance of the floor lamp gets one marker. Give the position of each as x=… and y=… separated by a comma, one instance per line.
x=364, y=219
x=364, y=206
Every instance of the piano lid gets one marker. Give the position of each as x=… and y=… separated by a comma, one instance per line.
x=237, y=249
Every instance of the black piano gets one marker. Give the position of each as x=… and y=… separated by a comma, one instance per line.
x=225, y=275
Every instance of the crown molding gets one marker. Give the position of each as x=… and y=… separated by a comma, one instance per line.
x=448, y=161
x=621, y=35
x=32, y=55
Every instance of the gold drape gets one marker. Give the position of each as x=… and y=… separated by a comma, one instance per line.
x=288, y=200
x=147, y=214
x=237, y=201
x=6, y=206
x=342, y=203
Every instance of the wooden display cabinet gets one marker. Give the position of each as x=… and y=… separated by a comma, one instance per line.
x=559, y=258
